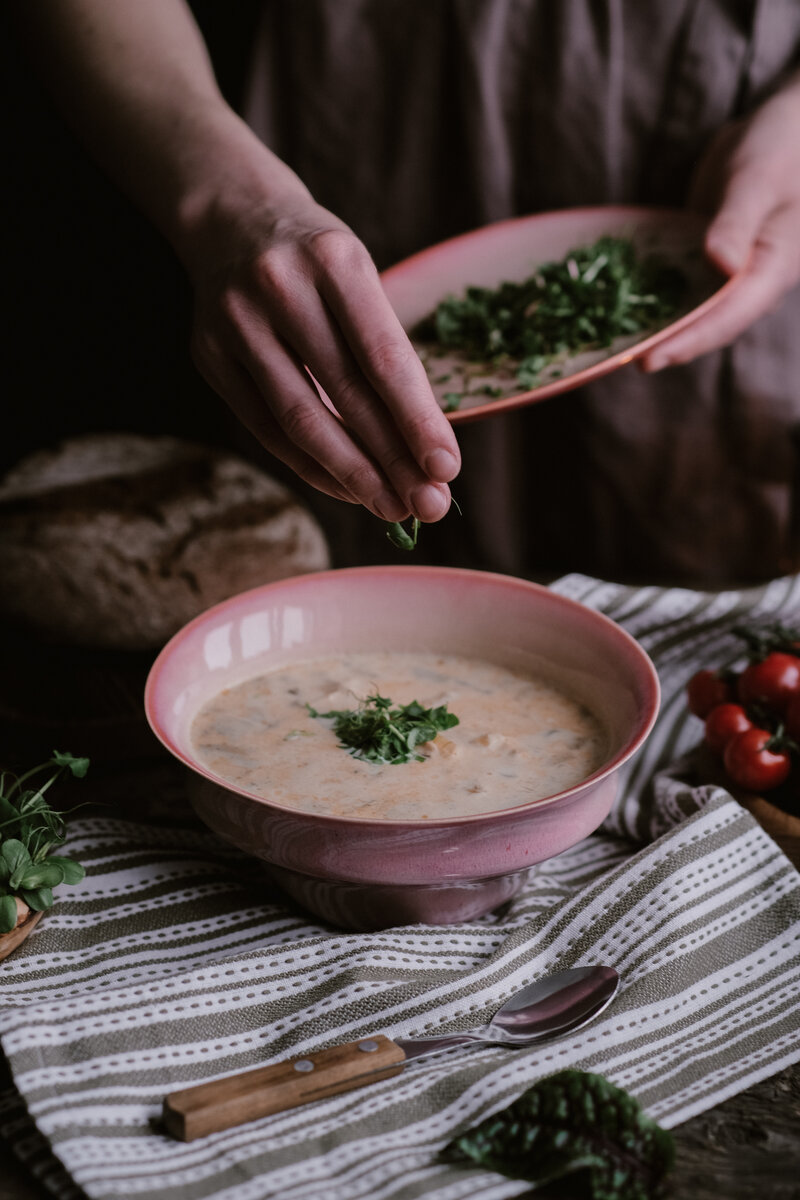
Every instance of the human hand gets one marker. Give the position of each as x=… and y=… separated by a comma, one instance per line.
x=749, y=181
x=290, y=287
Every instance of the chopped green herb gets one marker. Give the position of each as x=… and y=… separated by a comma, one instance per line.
x=399, y=536
x=452, y=401
x=585, y=301
x=378, y=733
x=443, y=378
x=573, y=1123
x=29, y=831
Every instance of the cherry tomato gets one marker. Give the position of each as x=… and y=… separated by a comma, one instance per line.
x=752, y=765
x=705, y=690
x=772, y=682
x=723, y=723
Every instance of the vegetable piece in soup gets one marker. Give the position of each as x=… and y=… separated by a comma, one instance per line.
x=517, y=739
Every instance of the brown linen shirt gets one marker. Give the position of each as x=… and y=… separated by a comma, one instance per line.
x=414, y=120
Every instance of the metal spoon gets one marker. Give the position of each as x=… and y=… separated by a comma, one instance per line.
x=544, y=1010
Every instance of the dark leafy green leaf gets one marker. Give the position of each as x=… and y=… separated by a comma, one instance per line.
x=73, y=872
x=38, y=898
x=573, y=1123
x=78, y=766
x=8, y=914
x=379, y=733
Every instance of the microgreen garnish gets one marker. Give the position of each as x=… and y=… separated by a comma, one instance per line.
x=400, y=537
x=378, y=733
x=29, y=831
x=584, y=301
x=573, y=1124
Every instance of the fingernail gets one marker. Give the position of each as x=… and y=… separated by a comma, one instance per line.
x=429, y=503
x=442, y=465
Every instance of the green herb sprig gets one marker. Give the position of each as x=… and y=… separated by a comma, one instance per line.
x=406, y=539
x=584, y=301
x=29, y=831
x=401, y=537
x=763, y=639
x=379, y=733
x=573, y=1123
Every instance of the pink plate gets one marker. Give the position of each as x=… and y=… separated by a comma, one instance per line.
x=511, y=250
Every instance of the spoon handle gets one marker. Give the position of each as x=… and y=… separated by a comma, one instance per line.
x=419, y=1047
x=211, y=1107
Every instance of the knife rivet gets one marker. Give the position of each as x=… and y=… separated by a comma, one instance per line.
x=368, y=1046
x=304, y=1064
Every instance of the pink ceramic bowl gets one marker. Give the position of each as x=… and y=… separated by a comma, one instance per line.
x=374, y=873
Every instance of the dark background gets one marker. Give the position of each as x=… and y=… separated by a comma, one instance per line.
x=98, y=318
x=98, y=309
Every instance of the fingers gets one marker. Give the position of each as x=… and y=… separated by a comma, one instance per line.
x=733, y=232
x=772, y=268
x=389, y=363
x=257, y=336
x=243, y=397
x=306, y=322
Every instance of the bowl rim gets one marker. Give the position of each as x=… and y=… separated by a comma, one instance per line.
x=642, y=730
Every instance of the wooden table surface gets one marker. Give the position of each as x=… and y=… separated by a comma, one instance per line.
x=745, y=1149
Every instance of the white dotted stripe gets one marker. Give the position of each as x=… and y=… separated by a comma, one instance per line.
x=628, y=945
x=728, y=1080
x=731, y=922
x=221, y=1151
x=226, y=976
x=716, y=1041
x=118, y=1018
x=475, y=1006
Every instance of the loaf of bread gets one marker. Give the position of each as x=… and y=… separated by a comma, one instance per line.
x=116, y=540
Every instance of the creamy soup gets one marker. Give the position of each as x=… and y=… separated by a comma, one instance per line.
x=518, y=738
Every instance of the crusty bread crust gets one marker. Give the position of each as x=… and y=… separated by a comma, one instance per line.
x=116, y=540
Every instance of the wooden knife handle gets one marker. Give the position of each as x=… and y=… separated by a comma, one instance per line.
x=211, y=1107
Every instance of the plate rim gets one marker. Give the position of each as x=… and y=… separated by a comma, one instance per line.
x=559, y=386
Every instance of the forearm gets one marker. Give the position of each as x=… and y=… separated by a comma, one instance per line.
x=283, y=289
x=134, y=79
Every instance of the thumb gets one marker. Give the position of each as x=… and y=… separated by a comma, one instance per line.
x=746, y=203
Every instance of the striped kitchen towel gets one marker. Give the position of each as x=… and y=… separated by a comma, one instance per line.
x=174, y=962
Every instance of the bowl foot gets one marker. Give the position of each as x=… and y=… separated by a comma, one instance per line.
x=367, y=907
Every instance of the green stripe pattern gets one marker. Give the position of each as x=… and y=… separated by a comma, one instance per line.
x=175, y=962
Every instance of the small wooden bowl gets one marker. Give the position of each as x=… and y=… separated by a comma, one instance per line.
x=10, y=941
x=782, y=827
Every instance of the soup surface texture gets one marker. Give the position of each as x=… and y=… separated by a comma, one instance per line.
x=518, y=738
